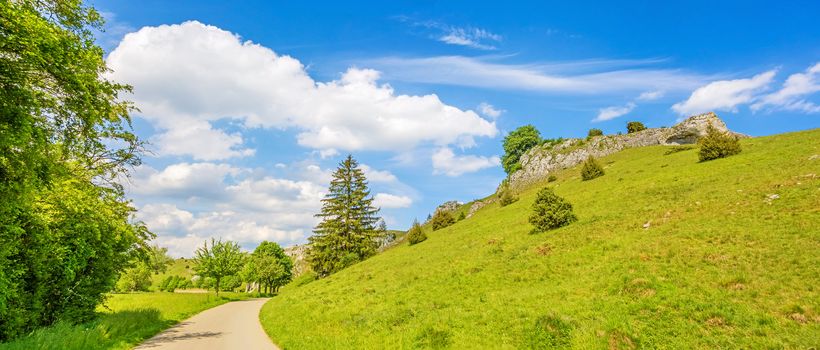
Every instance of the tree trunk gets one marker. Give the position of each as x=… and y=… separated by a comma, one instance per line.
x=217, y=286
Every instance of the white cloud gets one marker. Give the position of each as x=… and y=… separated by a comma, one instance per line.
x=791, y=95
x=446, y=162
x=374, y=175
x=386, y=200
x=650, y=95
x=471, y=37
x=613, y=112
x=182, y=180
x=246, y=210
x=489, y=110
x=580, y=77
x=193, y=73
x=724, y=95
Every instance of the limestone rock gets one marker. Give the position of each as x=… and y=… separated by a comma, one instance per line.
x=540, y=161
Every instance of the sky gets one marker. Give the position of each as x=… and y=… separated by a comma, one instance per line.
x=249, y=106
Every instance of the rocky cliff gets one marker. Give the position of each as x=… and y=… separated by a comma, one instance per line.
x=540, y=161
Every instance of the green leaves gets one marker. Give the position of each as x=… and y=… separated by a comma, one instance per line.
x=550, y=211
x=219, y=260
x=516, y=144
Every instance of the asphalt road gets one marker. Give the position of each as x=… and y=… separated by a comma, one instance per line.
x=234, y=325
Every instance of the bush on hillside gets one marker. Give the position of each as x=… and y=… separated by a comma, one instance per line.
x=550, y=211
x=505, y=194
x=552, y=178
x=717, y=144
x=595, y=132
x=461, y=216
x=591, y=169
x=633, y=127
x=416, y=234
x=442, y=219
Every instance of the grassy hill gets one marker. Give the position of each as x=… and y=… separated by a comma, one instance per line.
x=179, y=267
x=723, y=263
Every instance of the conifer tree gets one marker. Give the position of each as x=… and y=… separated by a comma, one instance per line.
x=348, y=232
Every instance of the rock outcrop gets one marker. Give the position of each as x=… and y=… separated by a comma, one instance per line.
x=448, y=206
x=540, y=161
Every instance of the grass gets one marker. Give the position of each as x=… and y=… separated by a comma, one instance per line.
x=124, y=321
x=720, y=265
x=179, y=267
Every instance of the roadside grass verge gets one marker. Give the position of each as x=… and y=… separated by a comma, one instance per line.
x=124, y=321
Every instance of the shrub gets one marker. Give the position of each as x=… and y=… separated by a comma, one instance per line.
x=717, y=144
x=633, y=127
x=416, y=234
x=462, y=215
x=550, y=211
x=442, y=219
x=552, y=178
x=595, y=132
x=591, y=169
x=505, y=194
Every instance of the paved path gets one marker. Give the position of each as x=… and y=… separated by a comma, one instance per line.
x=233, y=325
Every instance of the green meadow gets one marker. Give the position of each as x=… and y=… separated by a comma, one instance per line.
x=124, y=321
x=668, y=252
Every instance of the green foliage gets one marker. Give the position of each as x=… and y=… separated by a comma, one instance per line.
x=717, y=144
x=633, y=127
x=516, y=143
x=442, y=219
x=552, y=178
x=595, y=132
x=218, y=261
x=591, y=169
x=348, y=232
x=157, y=259
x=270, y=266
x=505, y=194
x=134, y=279
x=708, y=274
x=461, y=216
x=65, y=233
x=416, y=234
x=549, y=332
x=549, y=211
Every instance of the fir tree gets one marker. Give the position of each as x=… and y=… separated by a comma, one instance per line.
x=348, y=232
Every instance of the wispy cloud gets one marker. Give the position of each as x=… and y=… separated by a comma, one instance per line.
x=613, y=112
x=468, y=36
x=578, y=77
x=793, y=93
x=489, y=110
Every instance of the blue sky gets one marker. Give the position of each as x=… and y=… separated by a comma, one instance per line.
x=249, y=105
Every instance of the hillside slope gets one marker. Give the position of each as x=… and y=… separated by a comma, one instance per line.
x=722, y=263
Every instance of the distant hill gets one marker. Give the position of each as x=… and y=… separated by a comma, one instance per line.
x=667, y=253
x=180, y=267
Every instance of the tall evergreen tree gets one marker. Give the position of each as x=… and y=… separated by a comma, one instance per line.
x=348, y=231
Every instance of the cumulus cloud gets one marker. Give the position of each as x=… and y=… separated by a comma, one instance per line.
x=724, y=95
x=489, y=110
x=374, y=175
x=241, y=204
x=792, y=95
x=613, y=112
x=195, y=74
x=386, y=200
x=447, y=163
